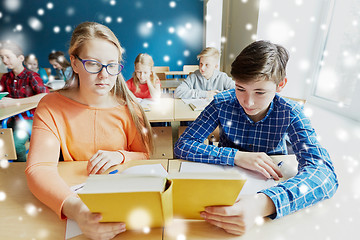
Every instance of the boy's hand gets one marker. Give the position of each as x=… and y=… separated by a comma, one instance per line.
x=259, y=162
x=103, y=160
x=212, y=93
x=240, y=217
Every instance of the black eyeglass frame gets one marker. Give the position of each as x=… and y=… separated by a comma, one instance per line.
x=102, y=66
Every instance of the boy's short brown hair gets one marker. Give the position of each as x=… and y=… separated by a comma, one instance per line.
x=261, y=60
x=209, y=52
x=16, y=49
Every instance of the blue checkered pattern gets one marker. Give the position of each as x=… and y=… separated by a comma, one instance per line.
x=316, y=179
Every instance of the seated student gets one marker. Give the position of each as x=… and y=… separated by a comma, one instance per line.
x=31, y=63
x=94, y=118
x=144, y=83
x=23, y=86
x=62, y=66
x=207, y=81
x=253, y=121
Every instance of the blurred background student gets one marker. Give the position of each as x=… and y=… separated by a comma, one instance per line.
x=207, y=80
x=23, y=86
x=31, y=63
x=61, y=65
x=144, y=83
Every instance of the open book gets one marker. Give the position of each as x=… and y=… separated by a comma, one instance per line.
x=197, y=104
x=146, y=103
x=141, y=197
x=3, y=94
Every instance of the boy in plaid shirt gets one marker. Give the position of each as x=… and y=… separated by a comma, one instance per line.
x=23, y=86
x=254, y=121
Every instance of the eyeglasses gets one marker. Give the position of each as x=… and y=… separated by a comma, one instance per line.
x=92, y=66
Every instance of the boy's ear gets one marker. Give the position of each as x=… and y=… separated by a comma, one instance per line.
x=281, y=85
x=21, y=58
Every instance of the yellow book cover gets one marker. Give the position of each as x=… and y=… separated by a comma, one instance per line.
x=192, y=192
x=139, y=201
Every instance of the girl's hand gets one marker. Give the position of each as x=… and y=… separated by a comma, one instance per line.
x=103, y=160
x=88, y=222
x=259, y=162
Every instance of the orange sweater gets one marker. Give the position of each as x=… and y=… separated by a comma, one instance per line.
x=79, y=131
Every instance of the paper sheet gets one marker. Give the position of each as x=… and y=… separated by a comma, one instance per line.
x=72, y=228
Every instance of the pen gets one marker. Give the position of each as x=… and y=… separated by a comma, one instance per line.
x=113, y=172
x=280, y=163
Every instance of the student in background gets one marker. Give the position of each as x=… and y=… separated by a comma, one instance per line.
x=62, y=66
x=31, y=63
x=144, y=83
x=95, y=118
x=207, y=81
x=23, y=86
x=253, y=121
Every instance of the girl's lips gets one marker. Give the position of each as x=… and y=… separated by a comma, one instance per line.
x=102, y=84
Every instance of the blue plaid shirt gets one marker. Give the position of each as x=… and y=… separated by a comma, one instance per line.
x=316, y=179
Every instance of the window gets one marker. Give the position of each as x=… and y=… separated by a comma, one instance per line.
x=338, y=76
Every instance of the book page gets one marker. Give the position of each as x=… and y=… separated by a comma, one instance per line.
x=254, y=181
x=122, y=183
x=148, y=169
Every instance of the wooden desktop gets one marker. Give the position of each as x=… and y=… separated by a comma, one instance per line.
x=22, y=216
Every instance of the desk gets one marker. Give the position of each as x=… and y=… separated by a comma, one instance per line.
x=183, y=112
x=42, y=223
x=327, y=220
x=171, y=83
x=161, y=110
x=16, y=109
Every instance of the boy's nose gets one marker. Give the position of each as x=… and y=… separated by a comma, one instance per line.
x=249, y=101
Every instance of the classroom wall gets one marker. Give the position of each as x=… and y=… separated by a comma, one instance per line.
x=170, y=31
x=239, y=26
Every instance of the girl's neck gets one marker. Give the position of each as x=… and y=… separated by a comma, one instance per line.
x=96, y=101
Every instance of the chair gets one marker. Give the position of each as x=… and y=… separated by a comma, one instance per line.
x=299, y=100
x=211, y=139
x=161, y=75
x=161, y=69
x=190, y=68
x=163, y=143
x=48, y=71
x=7, y=145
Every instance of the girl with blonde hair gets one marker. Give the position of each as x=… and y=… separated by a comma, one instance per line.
x=93, y=118
x=144, y=83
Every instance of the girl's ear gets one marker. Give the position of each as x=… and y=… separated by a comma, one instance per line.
x=74, y=63
x=281, y=85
